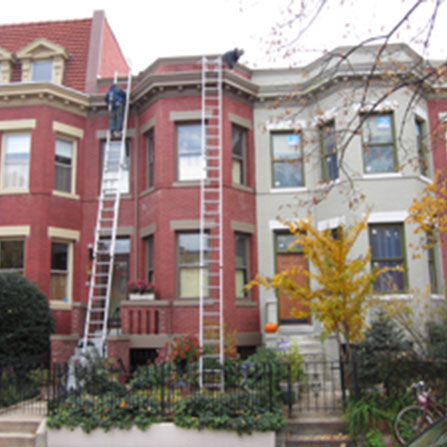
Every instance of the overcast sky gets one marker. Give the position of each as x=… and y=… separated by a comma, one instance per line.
x=149, y=29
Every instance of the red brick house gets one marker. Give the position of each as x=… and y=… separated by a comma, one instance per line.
x=53, y=122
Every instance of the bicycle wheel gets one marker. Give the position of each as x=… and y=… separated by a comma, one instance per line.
x=410, y=422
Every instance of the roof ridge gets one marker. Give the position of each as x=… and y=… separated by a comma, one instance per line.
x=46, y=22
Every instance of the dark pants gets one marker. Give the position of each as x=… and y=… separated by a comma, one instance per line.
x=116, y=117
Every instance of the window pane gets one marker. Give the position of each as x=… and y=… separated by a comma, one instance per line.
x=329, y=144
x=189, y=248
x=386, y=242
x=387, y=251
x=237, y=172
x=189, y=149
x=150, y=159
x=11, y=255
x=114, y=159
x=58, y=286
x=63, y=165
x=379, y=159
x=287, y=160
x=241, y=280
x=17, y=156
x=283, y=242
x=59, y=256
x=238, y=141
x=59, y=271
x=377, y=129
x=150, y=258
x=240, y=250
x=42, y=71
x=389, y=281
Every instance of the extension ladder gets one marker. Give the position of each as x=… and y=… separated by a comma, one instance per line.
x=211, y=254
x=100, y=286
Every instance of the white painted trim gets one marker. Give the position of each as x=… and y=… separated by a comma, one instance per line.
x=66, y=129
x=63, y=233
x=148, y=125
x=381, y=176
x=18, y=230
x=329, y=224
x=388, y=216
x=240, y=121
x=421, y=113
x=277, y=225
x=18, y=124
x=296, y=190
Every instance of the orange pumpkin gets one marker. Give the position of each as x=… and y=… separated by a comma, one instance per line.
x=270, y=328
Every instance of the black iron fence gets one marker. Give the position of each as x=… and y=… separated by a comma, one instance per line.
x=103, y=385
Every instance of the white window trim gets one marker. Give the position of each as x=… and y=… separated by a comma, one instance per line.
x=69, y=237
x=385, y=217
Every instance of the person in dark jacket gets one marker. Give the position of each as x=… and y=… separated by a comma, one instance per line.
x=232, y=56
x=116, y=99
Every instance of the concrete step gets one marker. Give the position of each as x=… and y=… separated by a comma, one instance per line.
x=314, y=429
x=17, y=439
x=315, y=426
x=19, y=425
x=317, y=441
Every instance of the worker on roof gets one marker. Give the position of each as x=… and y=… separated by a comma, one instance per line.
x=232, y=56
x=116, y=99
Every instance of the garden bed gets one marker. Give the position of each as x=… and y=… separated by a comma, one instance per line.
x=161, y=435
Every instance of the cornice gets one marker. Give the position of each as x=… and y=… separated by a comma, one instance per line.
x=36, y=93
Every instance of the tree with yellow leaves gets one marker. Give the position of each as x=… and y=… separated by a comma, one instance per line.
x=338, y=289
x=428, y=212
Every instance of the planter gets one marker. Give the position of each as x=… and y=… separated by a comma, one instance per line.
x=160, y=435
x=141, y=296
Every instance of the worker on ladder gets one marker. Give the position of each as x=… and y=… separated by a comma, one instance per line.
x=116, y=100
x=232, y=56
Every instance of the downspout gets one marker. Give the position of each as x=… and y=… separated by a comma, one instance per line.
x=136, y=195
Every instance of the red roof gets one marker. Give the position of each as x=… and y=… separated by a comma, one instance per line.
x=73, y=35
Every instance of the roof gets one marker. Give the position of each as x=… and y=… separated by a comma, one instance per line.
x=73, y=35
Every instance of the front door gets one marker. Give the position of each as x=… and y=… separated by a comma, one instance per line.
x=285, y=260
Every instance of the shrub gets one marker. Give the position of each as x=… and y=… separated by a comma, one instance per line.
x=384, y=344
x=228, y=412
x=27, y=322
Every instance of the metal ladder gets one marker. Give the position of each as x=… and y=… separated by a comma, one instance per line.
x=100, y=286
x=211, y=336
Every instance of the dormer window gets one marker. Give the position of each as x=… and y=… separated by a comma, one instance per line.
x=42, y=61
x=5, y=66
x=42, y=71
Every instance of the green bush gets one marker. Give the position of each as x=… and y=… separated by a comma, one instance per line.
x=228, y=412
x=106, y=411
x=27, y=322
x=384, y=344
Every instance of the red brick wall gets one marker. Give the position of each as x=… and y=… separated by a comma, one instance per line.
x=62, y=348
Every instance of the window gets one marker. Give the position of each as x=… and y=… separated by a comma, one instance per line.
x=328, y=141
x=387, y=250
x=59, y=282
x=188, y=259
x=189, y=152
x=12, y=255
x=150, y=159
x=42, y=71
x=422, y=150
x=238, y=145
x=287, y=160
x=378, y=144
x=114, y=159
x=17, y=148
x=431, y=260
x=150, y=258
x=63, y=166
x=241, y=261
